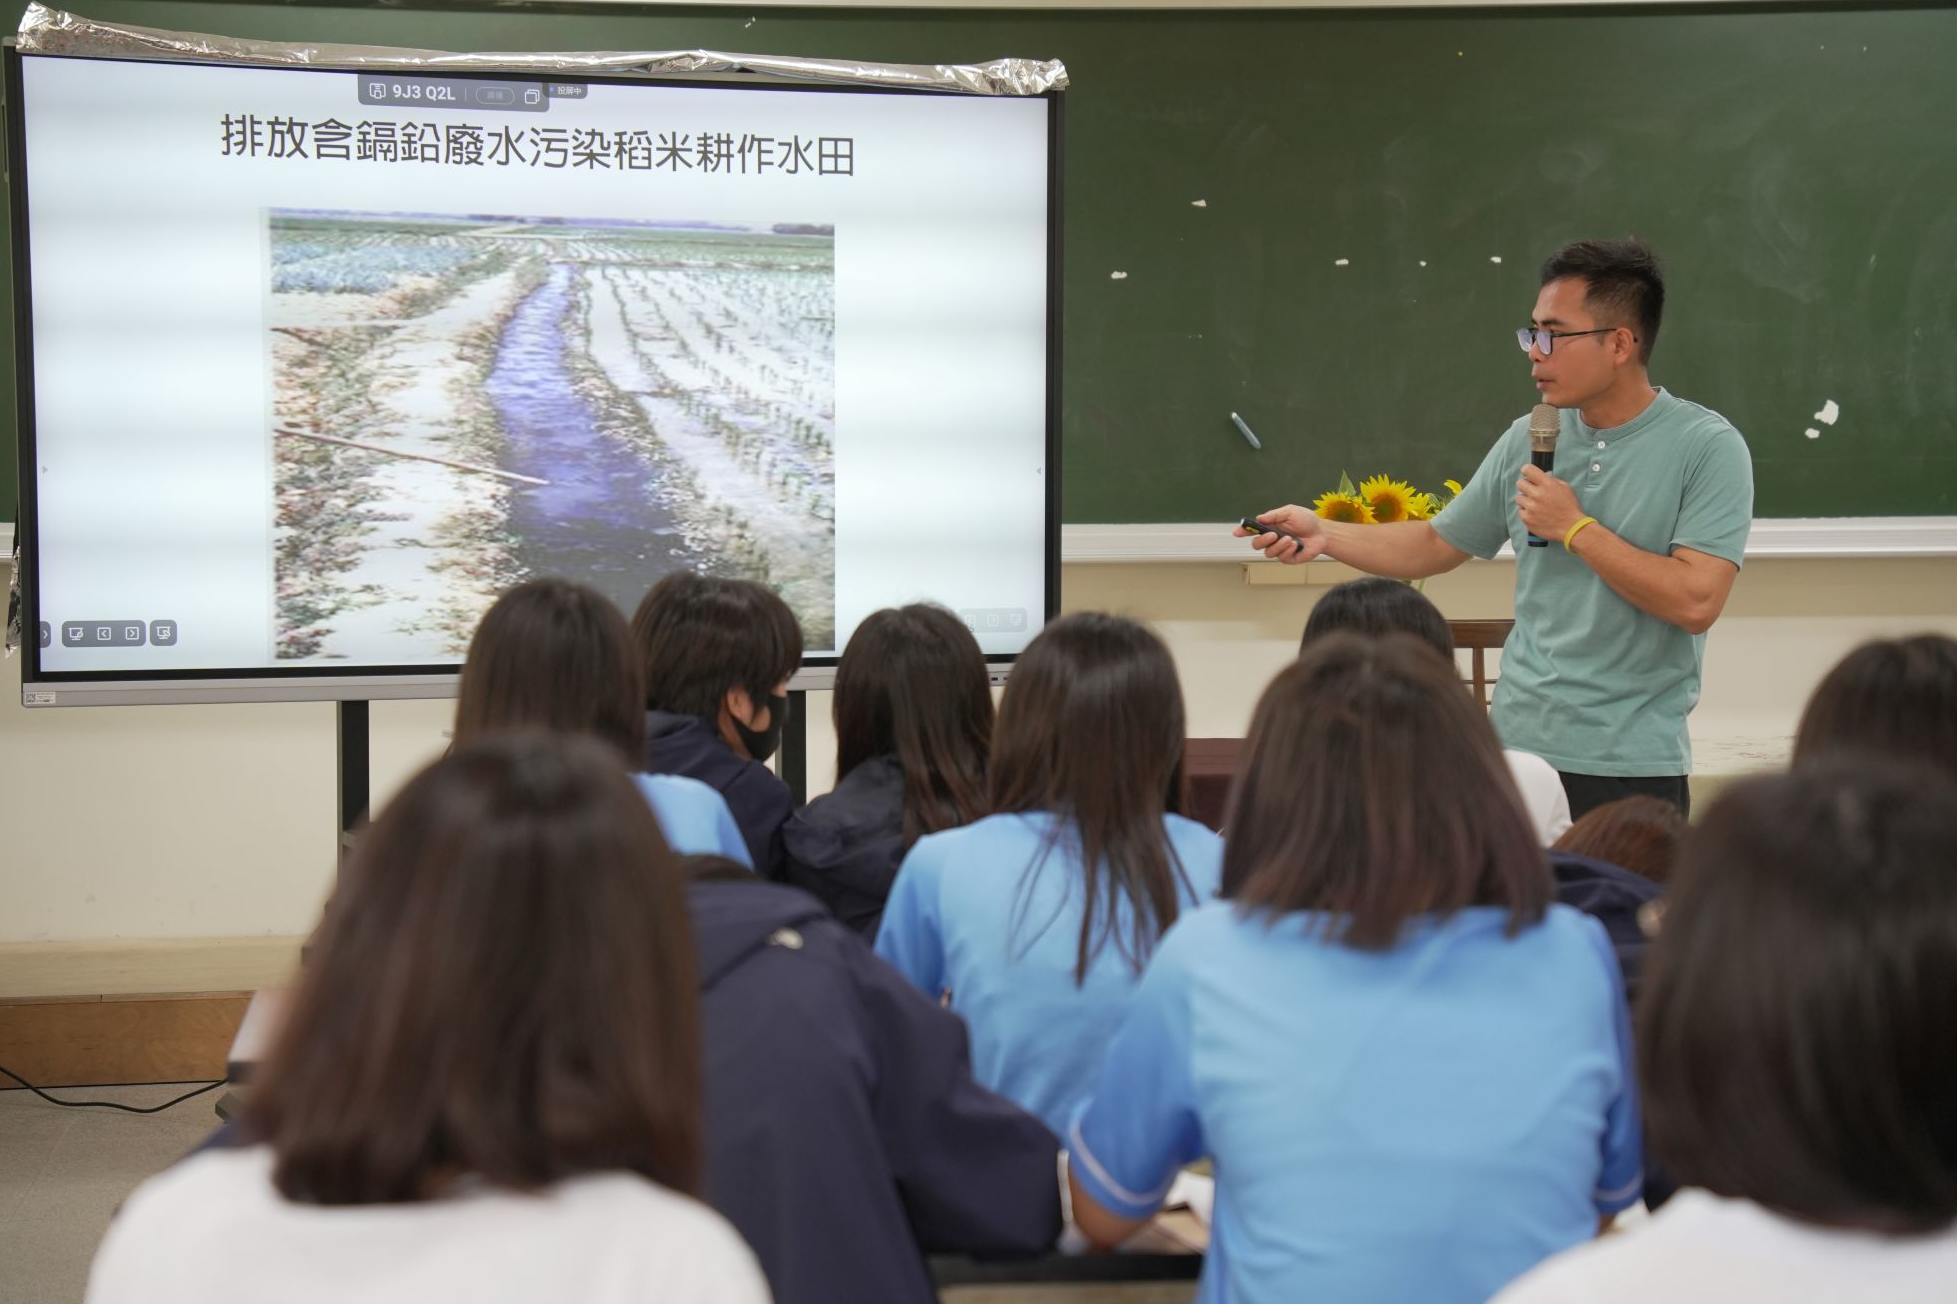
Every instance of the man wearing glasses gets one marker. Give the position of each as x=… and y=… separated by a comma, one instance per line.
x=1646, y=517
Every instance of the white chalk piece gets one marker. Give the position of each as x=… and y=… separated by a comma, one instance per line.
x=1812, y=433
x=1199, y=203
x=1342, y=262
x=1829, y=414
x=1244, y=430
x=1423, y=262
x=1496, y=259
x=1117, y=276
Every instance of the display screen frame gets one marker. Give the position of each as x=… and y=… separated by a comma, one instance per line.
x=44, y=687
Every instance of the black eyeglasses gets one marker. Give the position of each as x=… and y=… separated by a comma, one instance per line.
x=1530, y=337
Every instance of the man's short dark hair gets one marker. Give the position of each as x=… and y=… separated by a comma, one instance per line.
x=1624, y=284
x=1795, y=1029
x=700, y=636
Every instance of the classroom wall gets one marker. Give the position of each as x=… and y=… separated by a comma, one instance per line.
x=217, y=821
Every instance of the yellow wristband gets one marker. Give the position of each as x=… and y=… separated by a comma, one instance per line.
x=1571, y=533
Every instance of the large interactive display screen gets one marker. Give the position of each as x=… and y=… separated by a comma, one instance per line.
x=314, y=363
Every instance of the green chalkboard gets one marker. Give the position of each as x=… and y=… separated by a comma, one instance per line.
x=1297, y=215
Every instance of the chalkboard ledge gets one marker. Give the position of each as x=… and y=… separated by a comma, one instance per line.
x=1870, y=536
x=1184, y=541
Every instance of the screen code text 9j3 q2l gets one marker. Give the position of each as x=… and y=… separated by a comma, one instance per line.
x=467, y=93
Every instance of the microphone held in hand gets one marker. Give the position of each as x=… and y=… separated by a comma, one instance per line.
x=1544, y=425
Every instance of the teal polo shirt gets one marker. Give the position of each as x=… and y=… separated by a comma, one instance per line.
x=1590, y=683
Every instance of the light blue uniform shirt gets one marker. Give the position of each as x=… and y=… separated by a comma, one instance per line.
x=694, y=818
x=971, y=913
x=1590, y=683
x=1416, y=1125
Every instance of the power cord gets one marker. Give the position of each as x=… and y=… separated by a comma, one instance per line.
x=107, y=1104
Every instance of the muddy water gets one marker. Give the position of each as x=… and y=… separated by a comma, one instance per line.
x=597, y=522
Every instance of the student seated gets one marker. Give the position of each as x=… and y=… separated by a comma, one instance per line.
x=1797, y=1052
x=845, y=1134
x=1037, y=920
x=487, y=1085
x=913, y=715
x=717, y=656
x=1894, y=697
x=1638, y=833
x=555, y=655
x=1411, y=1070
x=1375, y=606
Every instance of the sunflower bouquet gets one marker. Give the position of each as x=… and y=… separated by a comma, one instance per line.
x=1381, y=500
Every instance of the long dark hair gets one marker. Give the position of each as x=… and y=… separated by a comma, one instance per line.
x=1372, y=789
x=504, y=988
x=1795, y=1030
x=1091, y=728
x=912, y=684
x=1894, y=697
x=554, y=655
x=1375, y=605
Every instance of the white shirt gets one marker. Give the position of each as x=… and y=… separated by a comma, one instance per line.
x=214, y=1229
x=1702, y=1248
x=1542, y=794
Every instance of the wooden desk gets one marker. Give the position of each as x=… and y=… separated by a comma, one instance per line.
x=1210, y=764
x=1156, y=1267
x=1069, y=1279
x=255, y=1031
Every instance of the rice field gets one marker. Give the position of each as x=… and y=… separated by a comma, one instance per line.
x=460, y=403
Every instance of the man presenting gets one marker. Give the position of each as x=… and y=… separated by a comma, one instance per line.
x=1646, y=519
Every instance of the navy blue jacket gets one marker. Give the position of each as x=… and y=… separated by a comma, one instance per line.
x=760, y=801
x=845, y=1135
x=1613, y=897
x=844, y=848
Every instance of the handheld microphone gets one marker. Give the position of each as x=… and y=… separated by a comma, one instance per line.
x=1544, y=425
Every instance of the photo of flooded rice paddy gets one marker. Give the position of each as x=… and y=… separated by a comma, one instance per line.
x=463, y=403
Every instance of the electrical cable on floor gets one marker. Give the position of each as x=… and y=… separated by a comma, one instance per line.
x=108, y=1104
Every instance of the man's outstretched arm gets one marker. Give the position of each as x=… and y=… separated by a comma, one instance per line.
x=1403, y=550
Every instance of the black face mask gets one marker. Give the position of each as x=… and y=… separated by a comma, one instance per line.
x=761, y=743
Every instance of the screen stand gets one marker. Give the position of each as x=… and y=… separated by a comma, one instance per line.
x=795, y=747
x=352, y=764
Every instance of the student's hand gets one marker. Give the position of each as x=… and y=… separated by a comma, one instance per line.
x=1301, y=523
x=1548, y=505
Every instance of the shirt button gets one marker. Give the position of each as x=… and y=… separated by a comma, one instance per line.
x=1596, y=466
x=1600, y=443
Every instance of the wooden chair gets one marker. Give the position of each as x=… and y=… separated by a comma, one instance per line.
x=1211, y=763
x=1478, y=638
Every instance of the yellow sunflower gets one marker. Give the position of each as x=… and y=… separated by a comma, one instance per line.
x=1343, y=507
x=1453, y=487
x=1423, y=507
x=1390, y=499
